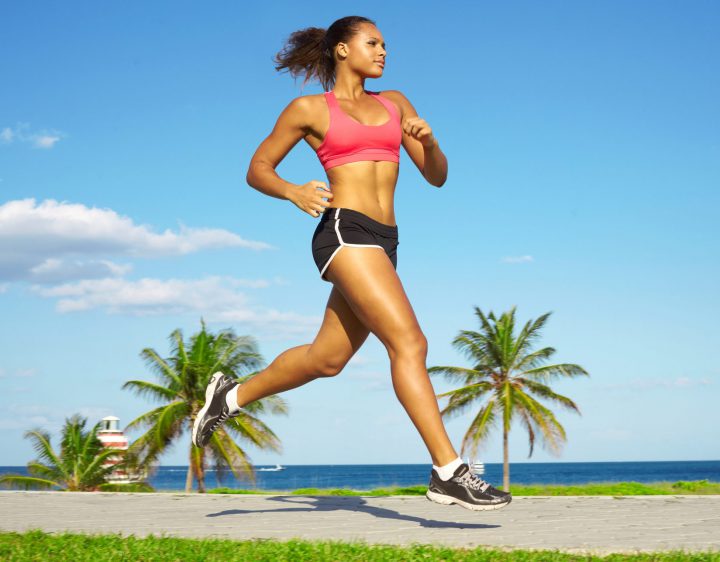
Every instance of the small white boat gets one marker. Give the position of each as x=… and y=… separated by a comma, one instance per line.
x=277, y=467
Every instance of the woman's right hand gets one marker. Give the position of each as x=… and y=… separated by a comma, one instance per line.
x=309, y=197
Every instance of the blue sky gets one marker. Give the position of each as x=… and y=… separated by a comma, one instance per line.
x=584, y=164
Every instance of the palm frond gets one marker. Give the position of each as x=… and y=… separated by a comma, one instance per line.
x=228, y=454
x=41, y=443
x=273, y=404
x=552, y=431
x=251, y=428
x=531, y=360
x=461, y=399
x=94, y=473
x=170, y=420
x=164, y=425
x=550, y=372
x=161, y=367
x=152, y=390
x=456, y=374
x=529, y=334
x=527, y=422
x=27, y=482
x=44, y=471
x=479, y=429
x=474, y=346
x=547, y=392
x=146, y=419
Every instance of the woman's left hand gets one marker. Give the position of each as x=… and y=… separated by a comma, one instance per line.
x=418, y=129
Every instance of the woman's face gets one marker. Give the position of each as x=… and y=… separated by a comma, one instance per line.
x=366, y=51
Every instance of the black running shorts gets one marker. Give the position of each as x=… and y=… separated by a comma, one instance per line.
x=340, y=227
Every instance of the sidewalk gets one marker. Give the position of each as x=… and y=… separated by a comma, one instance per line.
x=597, y=524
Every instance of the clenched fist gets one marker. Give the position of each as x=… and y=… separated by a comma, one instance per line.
x=418, y=129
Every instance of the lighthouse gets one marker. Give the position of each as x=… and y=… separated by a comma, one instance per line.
x=111, y=436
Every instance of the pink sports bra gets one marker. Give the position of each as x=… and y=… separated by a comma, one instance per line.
x=349, y=141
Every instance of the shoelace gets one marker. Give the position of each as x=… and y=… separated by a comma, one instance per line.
x=218, y=421
x=472, y=481
x=222, y=418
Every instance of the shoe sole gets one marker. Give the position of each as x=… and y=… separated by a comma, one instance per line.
x=209, y=393
x=448, y=500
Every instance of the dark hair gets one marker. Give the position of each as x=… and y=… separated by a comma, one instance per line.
x=310, y=50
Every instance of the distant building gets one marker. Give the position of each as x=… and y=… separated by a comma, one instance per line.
x=111, y=436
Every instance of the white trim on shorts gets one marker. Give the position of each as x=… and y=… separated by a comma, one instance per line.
x=342, y=243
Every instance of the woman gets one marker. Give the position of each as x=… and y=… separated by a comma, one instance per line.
x=357, y=135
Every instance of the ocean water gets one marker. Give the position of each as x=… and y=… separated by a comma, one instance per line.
x=368, y=476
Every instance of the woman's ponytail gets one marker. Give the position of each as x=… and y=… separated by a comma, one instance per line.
x=310, y=51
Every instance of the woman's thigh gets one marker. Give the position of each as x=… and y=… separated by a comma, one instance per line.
x=341, y=335
x=368, y=281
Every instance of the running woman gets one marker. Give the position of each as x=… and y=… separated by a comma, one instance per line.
x=357, y=135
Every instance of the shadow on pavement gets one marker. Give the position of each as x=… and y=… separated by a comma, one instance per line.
x=335, y=503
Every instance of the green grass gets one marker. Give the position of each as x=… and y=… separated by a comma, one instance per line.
x=36, y=545
x=699, y=487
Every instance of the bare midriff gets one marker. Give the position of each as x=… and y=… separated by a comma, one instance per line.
x=367, y=187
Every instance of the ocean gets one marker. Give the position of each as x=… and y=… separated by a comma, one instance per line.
x=368, y=476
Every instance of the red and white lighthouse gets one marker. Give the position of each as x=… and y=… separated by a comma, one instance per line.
x=111, y=436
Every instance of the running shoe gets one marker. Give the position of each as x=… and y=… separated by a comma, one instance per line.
x=215, y=411
x=466, y=489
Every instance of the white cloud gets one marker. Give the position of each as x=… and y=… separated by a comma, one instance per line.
x=40, y=139
x=54, y=270
x=37, y=241
x=7, y=135
x=17, y=373
x=45, y=141
x=517, y=259
x=216, y=299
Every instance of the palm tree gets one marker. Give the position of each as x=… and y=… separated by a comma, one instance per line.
x=182, y=379
x=79, y=466
x=505, y=373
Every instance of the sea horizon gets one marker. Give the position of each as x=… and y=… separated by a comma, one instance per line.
x=369, y=476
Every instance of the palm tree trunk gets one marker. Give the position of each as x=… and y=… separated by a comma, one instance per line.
x=201, y=471
x=506, y=462
x=189, y=476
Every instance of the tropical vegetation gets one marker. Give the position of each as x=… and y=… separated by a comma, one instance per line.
x=507, y=379
x=80, y=464
x=181, y=381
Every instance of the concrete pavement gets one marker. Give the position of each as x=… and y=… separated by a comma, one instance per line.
x=583, y=524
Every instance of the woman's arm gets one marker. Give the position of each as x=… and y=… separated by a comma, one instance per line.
x=291, y=126
x=420, y=142
x=288, y=131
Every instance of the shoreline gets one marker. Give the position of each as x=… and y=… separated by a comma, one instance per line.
x=629, y=488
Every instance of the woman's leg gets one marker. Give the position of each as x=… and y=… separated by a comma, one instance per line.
x=340, y=336
x=371, y=287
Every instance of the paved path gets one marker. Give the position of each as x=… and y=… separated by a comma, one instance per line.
x=598, y=524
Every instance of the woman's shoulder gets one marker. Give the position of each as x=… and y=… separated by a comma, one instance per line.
x=398, y=98
x=309, y=104
x=304, y=108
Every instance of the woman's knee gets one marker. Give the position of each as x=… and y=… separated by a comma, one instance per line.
x=326, y=365
x=410, y=343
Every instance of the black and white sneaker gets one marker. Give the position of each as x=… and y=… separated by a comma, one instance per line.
x=215, y=411
x=466, y=489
